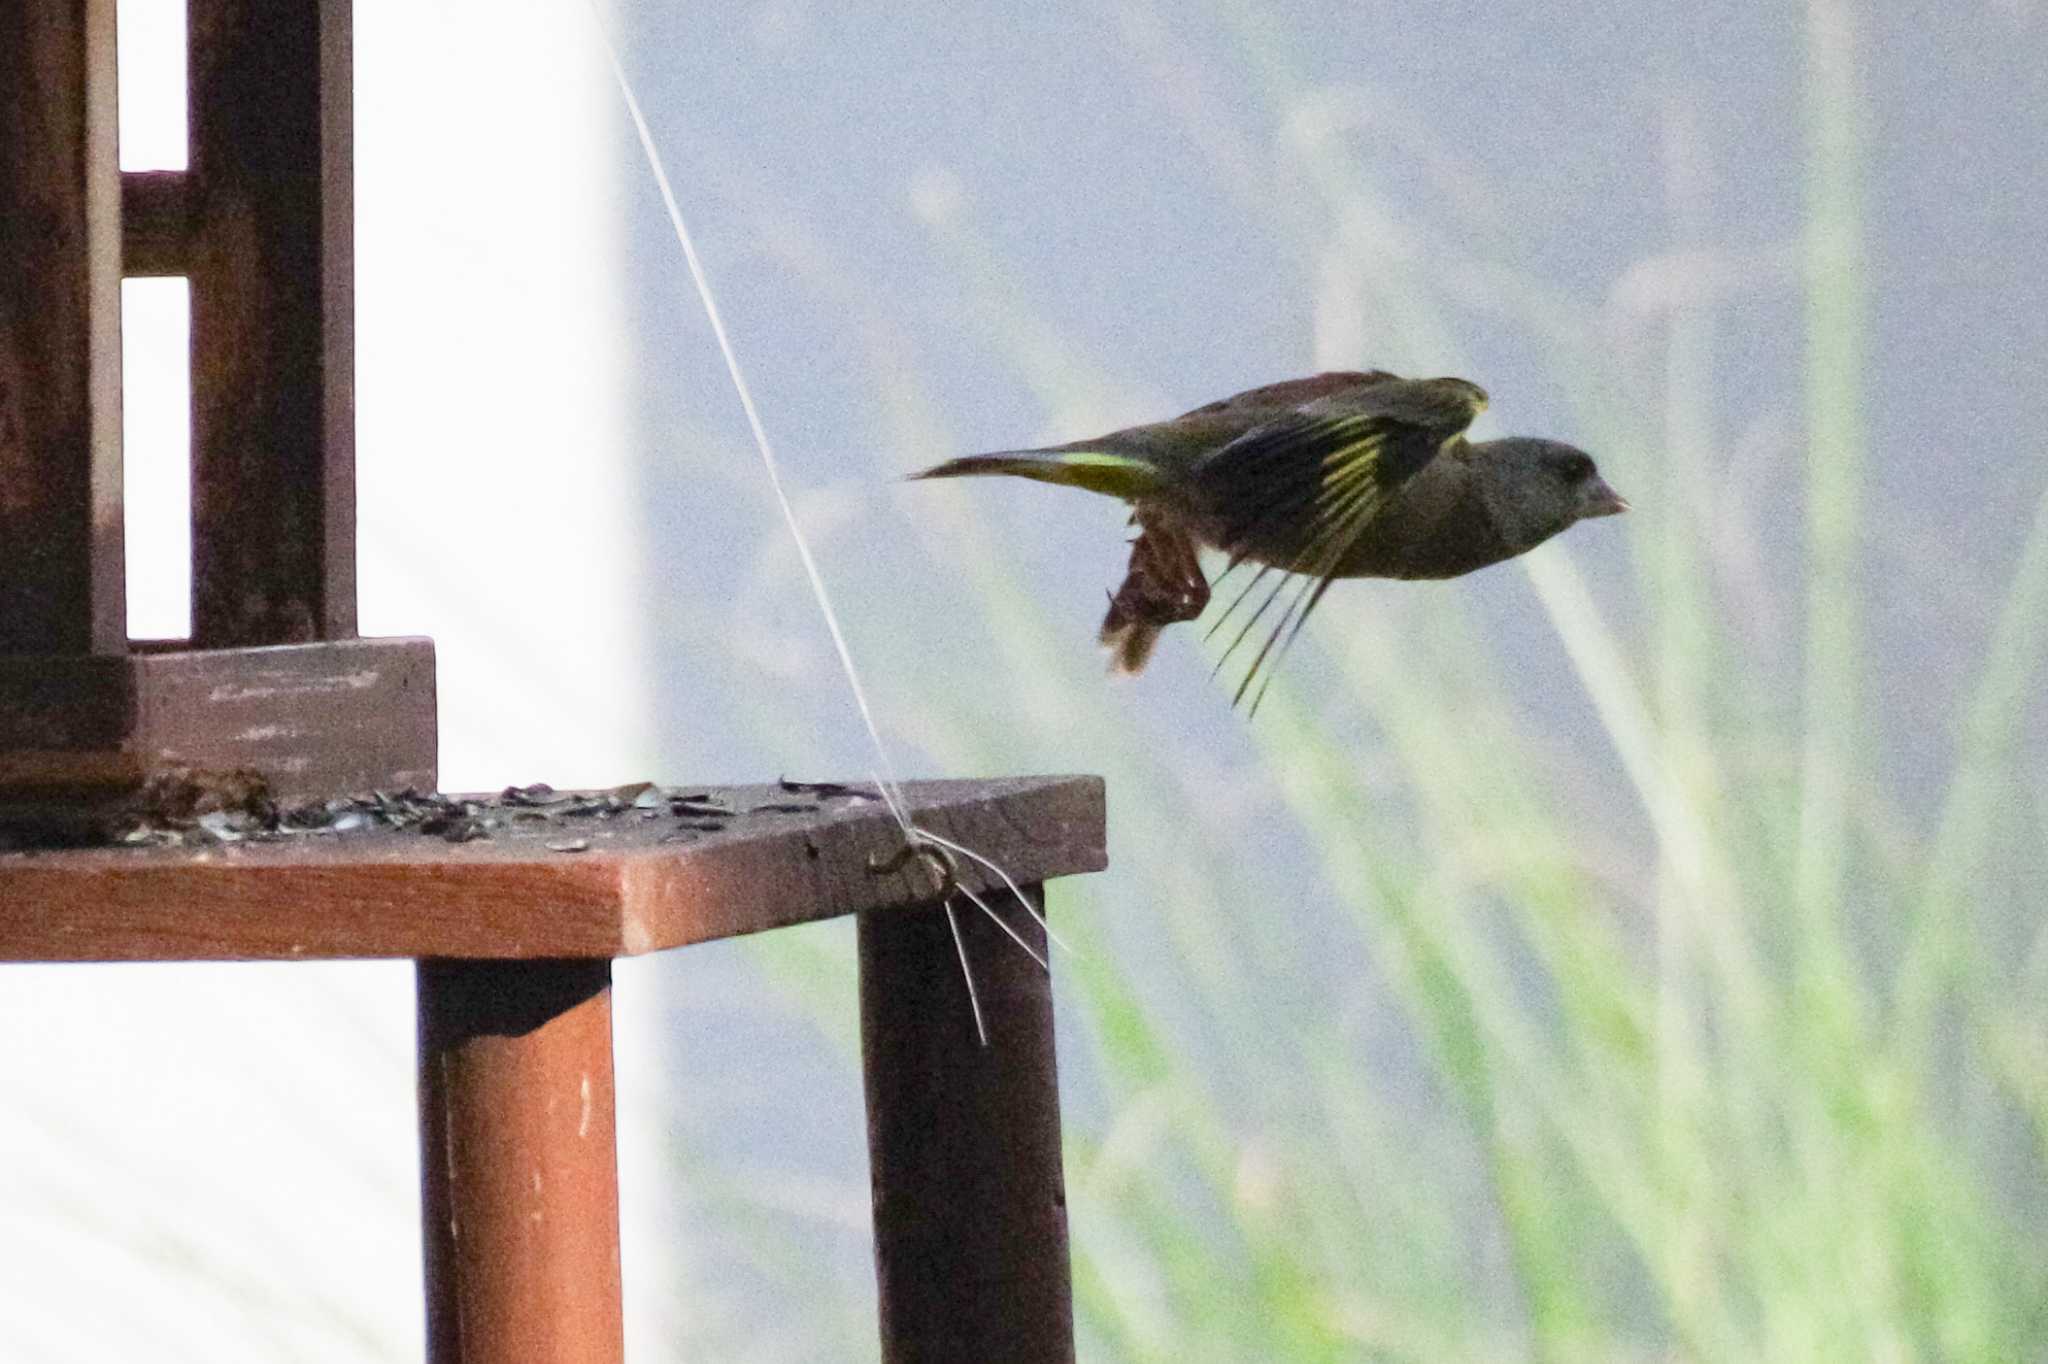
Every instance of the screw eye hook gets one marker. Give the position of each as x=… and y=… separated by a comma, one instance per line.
x=940, y=860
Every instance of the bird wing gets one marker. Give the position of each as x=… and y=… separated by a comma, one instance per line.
x=1444, y=407
x=1293, y=392
x=1296, y=493
x=1293, y=490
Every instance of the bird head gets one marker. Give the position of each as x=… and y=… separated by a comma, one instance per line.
x=1536, y=488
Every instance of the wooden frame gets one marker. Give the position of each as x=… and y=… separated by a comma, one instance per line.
x=514, y=931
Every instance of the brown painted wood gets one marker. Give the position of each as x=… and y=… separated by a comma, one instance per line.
x=271, y=265
x=315, y=719
x=518, y=1162
x=61, y=587
x=964, y=1141
x=406, y=894
x=156, y=223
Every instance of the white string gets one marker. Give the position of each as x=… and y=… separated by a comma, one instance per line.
x=997, y=920
x=885, y=778
x=973, y=995
x=1022, y=898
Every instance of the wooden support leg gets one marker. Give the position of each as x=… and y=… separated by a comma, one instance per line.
x=519, y=1164
x=964, y=1141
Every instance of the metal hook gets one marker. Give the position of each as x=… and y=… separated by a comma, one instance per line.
x=941, y=861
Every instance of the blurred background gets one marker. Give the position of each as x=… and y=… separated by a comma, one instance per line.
x=1632, y=952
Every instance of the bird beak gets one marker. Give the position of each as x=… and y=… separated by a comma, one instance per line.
x=1597, y=499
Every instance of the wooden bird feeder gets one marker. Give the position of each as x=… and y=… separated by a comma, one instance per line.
x=514, y=933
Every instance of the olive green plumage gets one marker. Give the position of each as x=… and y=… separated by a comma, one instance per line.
x=1341, y=475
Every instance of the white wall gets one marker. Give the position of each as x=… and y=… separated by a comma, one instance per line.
x=217, y=1162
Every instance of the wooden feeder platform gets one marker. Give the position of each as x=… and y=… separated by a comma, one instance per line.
x=262, y=779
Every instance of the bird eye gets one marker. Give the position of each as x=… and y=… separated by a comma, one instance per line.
x=1578, y=468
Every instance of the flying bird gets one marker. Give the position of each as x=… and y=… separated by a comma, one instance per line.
x=1347, y=474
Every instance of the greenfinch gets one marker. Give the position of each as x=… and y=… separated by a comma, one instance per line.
x=1346, y=474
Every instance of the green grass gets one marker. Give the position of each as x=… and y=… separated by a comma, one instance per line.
x=1670, y=1042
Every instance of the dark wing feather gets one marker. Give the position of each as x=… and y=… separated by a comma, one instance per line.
x=1293, y=392
x=1440, y=407
x=1297, y=493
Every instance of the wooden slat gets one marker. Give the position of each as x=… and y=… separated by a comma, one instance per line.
x=61, y=588
x=314, y=719
x=404, y=894
x=156, y=223
x=271, y=265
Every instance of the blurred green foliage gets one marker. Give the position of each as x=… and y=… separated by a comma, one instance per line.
x=1686, y=1032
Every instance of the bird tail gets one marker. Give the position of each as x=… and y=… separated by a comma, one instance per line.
x=1097, y=471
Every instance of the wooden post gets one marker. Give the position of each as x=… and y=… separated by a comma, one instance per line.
x=964, y=1141
x=270, y=213
x=518, y=1162
x=61, y=576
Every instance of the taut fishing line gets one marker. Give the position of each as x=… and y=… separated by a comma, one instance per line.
x=915, y=837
